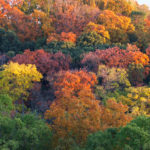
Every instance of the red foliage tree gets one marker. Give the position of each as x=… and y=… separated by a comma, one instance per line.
x=72, y=16
x=114, y=57
x=46, y=63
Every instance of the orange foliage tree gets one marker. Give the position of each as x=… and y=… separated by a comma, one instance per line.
x=76, y=113
x=25, y=26
x=4, y=9
x=69, y=84
x=66, y=37
x=74, y=117
x=114, y=114
x=112, y=21
x=116, y=25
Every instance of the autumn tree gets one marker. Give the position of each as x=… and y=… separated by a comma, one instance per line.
x=74, y=117
x=45, y=22
x=116, y=24
x=90, y=39
x=69, y=84
x=136, y=73
x=114, y=115
x=137, y=99
x=114, y=57
x=75, y=109
x=100, y=29
x=46, y=63
x=63, y=36
x=16, y=80
x=25, y=26
x=119, y=7
x=113, y=78
x=76, y=16
x=4, y=9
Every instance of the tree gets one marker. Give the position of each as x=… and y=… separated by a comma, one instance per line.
x=6, y=105
x=74, y=117
x=46, y=63
x=113, y=78
x=24, y=132
x=114, y=57
x=25, y=26
x=114, y=115
x=16, y=80
x=76, y=16
x=90, y=39
x=116, y=24
x=136, y=73
x=134, y=135
x=66, y=37
x=137, y=99
x=74, y=113
x=45, y=22
x=102, y=140
x=9, y=41
x=14, y=19
x=69, y=84
x=119, y=7
x=100, y=29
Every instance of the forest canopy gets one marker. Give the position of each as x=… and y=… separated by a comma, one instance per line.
x=74, y=75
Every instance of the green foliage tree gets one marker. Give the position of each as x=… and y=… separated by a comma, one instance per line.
x=9, y=41
x=134, y=136
x=90, y=39
x=6, y=105
x=101, y=140
x=24, y=133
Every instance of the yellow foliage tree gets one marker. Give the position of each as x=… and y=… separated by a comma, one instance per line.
x=16, y=80
x=100, y=29
x=138, y=100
